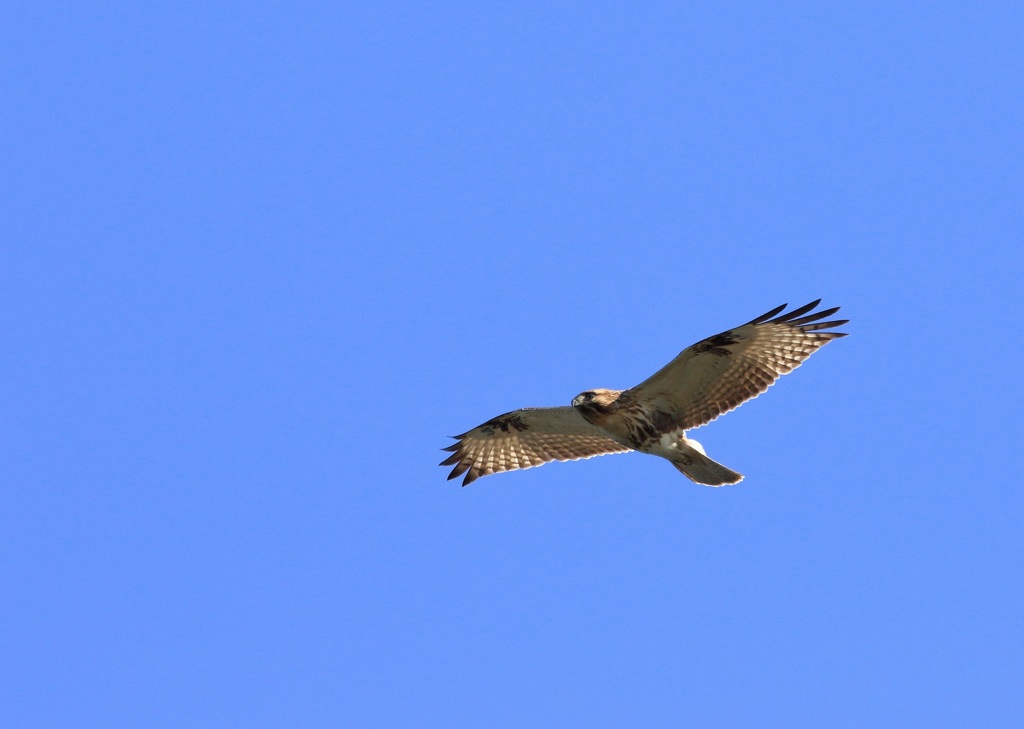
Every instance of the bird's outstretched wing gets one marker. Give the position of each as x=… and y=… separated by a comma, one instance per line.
x=524, y=439
x=720, y=373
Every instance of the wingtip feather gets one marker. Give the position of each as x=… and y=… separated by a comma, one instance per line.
x=815, y=316
x=766, y=316
x=451, y=460
x=460, y=468
x=824, y=325
x=788, y=317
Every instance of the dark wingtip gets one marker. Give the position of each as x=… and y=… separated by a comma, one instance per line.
x=803, y=318
x=460, y=467
x=451, y=460
x=788, y=317
x=767, y=315
x=815, y=316
x=823, y=325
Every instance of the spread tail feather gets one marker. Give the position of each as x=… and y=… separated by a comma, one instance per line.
x=697, y=467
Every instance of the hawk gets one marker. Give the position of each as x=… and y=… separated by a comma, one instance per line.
x=706, y=380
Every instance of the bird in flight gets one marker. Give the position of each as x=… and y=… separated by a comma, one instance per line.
x=706, y=380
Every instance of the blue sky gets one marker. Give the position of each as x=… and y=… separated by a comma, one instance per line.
x=258, y=261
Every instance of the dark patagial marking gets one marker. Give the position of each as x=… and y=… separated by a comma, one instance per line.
x=663, y=422
x=503, y=423
x=716, y=344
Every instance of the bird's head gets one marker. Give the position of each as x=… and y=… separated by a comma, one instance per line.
x=598, y=400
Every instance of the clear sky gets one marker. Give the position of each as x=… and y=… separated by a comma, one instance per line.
x=259, y=260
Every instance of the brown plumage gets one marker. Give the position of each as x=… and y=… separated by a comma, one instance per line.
x=706, y=380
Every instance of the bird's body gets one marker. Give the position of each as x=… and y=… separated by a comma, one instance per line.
x=706, y=380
